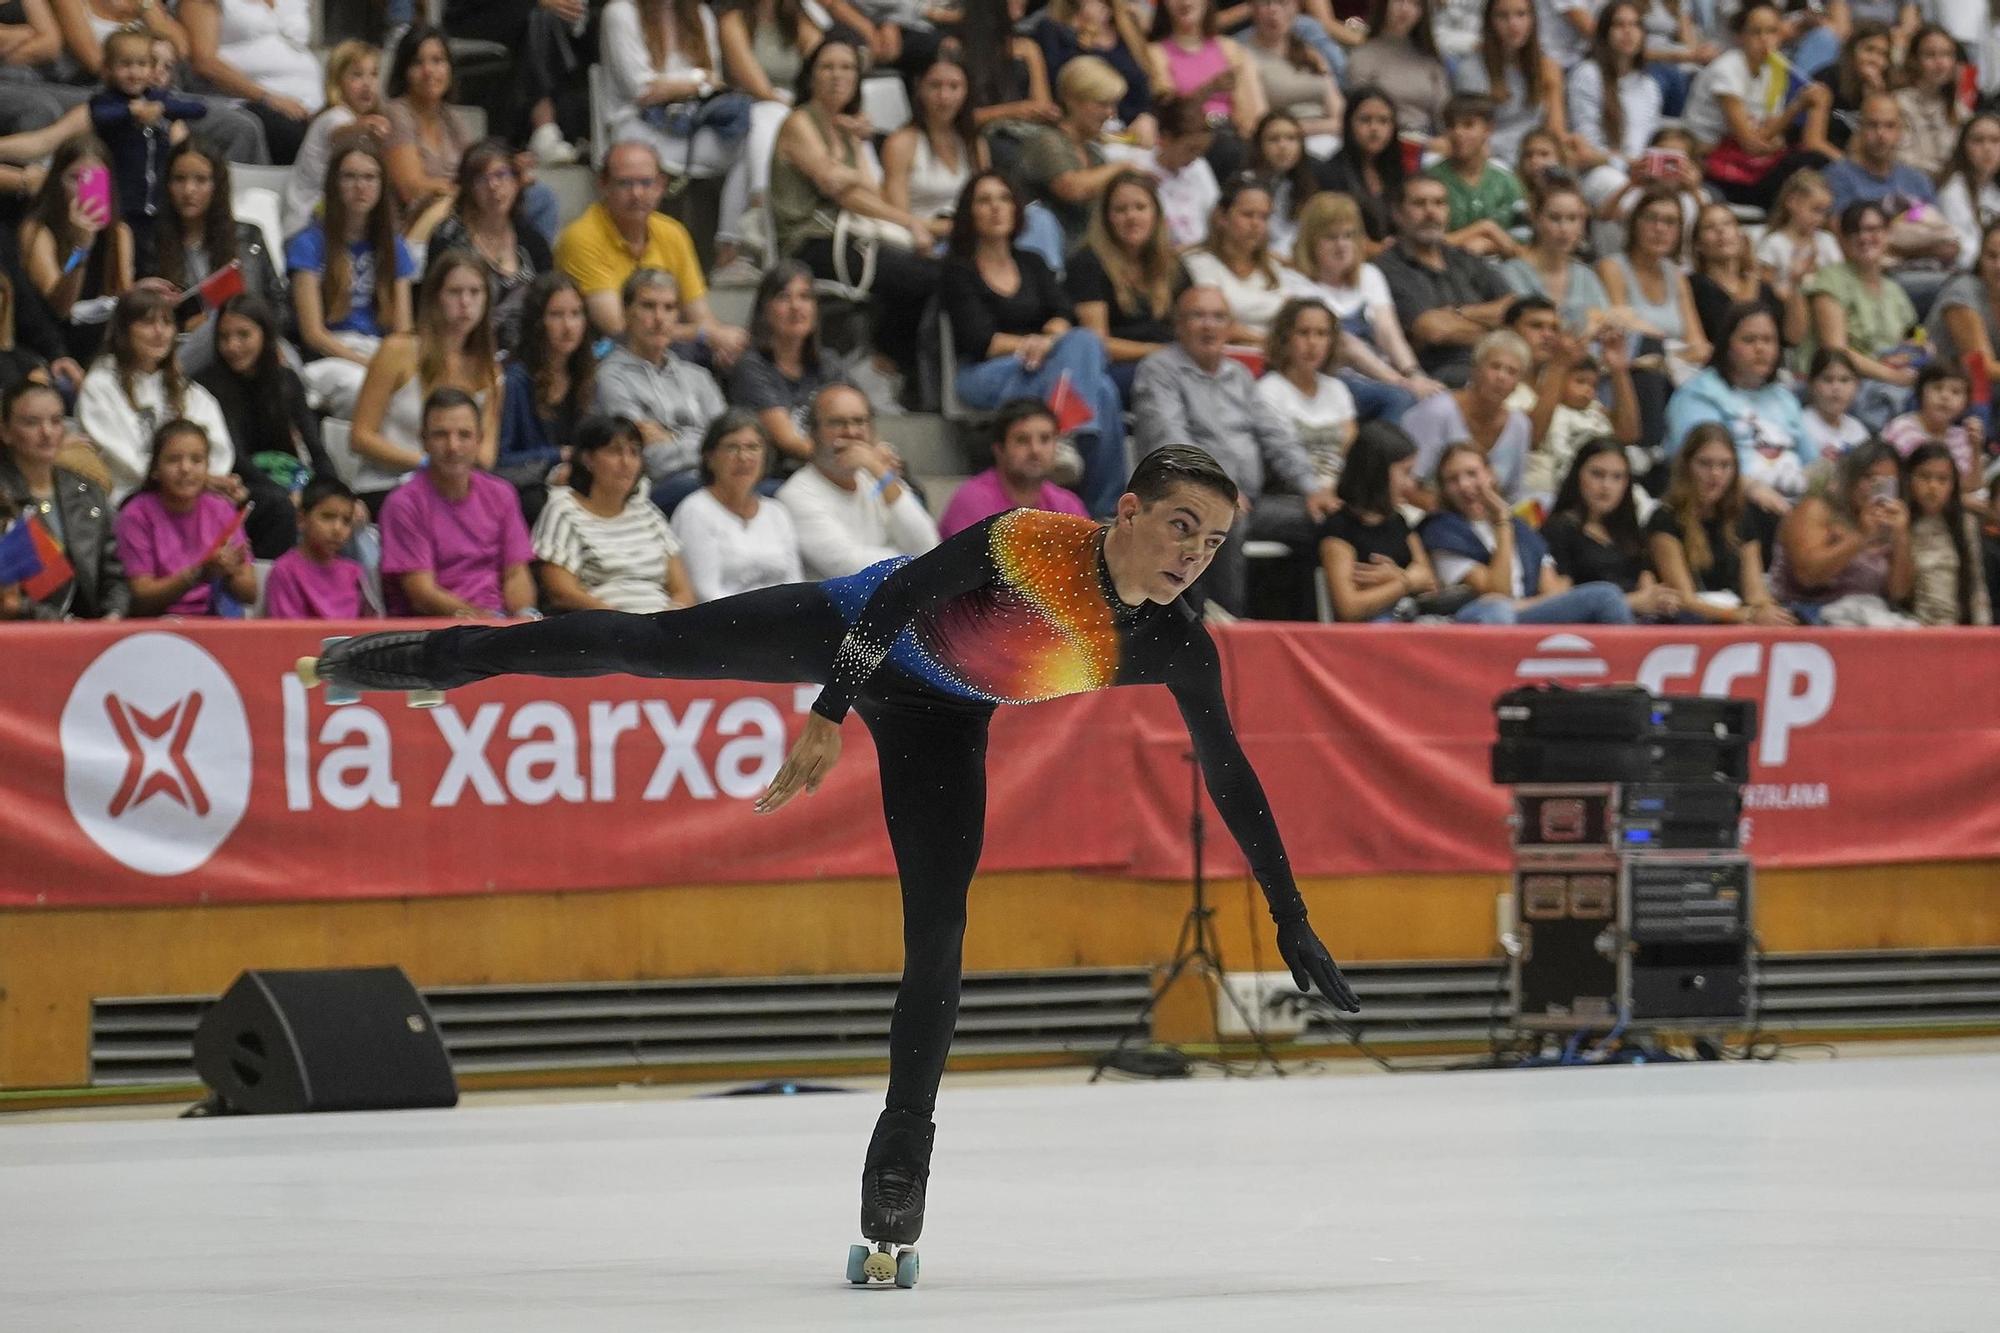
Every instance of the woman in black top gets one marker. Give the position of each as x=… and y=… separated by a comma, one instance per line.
x=198, y=234
x=1015, y=333
x=487, y=221
x=1369, y=165
x=1371, y=559
x=1725, y=272
x=1696, y=537
x=783, y=369
x=1593, y=531
x=1862, y=71
x=276, y=435
x=1023, y=606
x=1126, y=276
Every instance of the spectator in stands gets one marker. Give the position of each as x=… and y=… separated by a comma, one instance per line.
x=274, y=434
x=1369, y=167
x=1969, y=186
x=1742, y=113
x=1843, y=555
x=1014, y=332
x=1569, y=412
x=1277, y=153
x=313, y=580
x=926, y=163
x=669, y=399
x=784, y=368
x=1593, y=534
x=1068, y=29
x=1830, y=388
x=551, y=41
x=1740, y=389
x=1300, y=387
x=85, y=24
x=623, y=232
x=1024, y=456
x=1480, y=195
x=1548, y=266
x=1010, y=92
x=452, y=346
x=1237, y=260
x=1928, y=99
x=74, y=509
x=1191, y=59
x=1179, y=163
x=1375, y=567
x=1478, y=414
x=1697, y=538
x=453, y=543
x=1942, y=396
x=1066, y=171
x=1948, y=583
x=1862, y=70
x=1192, y=393
x=487, y=221
x=1475, y=539
x=260, y=51
x=898, y=33
x=764, y=48
x=603, y=545
x=1874, y=172
x=1401, y=58
x=28, y=100
x=1647, y=286
x=1124, y=279
x=1447, y=299
x=31, y=345
x=1614, y=103
x=850, y=508
x=72, y=253
x=427, y=139
x=1512, y=69
x=198, y=235
x=1296, y=78
x=734, y=537
x=820, y=176
x=1376, y=362
x=350, y=294
x=551, y=384
x=136, y=385
x=1726, y=273
x=127, y=114
x=353, y=97
x=1795, y=242
x=1964, y=321
x=1857, y=306
x=1566, y=28
x=181, y=542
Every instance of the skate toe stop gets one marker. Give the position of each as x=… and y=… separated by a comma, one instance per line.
x=307, y=670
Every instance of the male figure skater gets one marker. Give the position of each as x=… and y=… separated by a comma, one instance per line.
x=1020, y=607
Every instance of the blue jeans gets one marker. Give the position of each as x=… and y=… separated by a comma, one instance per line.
x=1815, y=51
x=1585, y=604
x=988, y=384
x=1674, y=81
x=1374, y=400
x=1042, y=235
x=1308, y=30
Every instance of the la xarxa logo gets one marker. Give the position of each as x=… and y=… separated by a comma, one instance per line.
x=156, y=753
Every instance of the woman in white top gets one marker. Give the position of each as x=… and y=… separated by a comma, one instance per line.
x=926, y=163
x=353, y=93
x=1744, y=97
x=1969, y=189
x=1377, y=363
x=1614, y=104
x=1299, y=387
x=602, y=542
x=137, y=386
x=1238, y=259
x=261, y=51
x=734, y=538
x=453, y=346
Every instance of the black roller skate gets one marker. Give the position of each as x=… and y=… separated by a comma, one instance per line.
x=892, y=1200
x=392, y=660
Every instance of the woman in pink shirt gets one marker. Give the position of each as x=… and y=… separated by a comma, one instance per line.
x=1190, y=59
x=179, y=539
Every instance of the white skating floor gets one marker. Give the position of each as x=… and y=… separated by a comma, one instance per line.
x=1861, y=1193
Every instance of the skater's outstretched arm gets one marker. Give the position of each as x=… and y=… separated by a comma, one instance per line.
x=1197, y=687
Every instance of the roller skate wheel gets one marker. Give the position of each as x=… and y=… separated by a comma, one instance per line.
x=906, y=1269
x=307, y=670
x=879, y=1266
x=857, y=1259
x=426, y=698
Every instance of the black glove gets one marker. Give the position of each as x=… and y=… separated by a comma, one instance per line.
x=1312, y=966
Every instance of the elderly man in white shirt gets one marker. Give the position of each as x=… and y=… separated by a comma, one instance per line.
x=850, y=507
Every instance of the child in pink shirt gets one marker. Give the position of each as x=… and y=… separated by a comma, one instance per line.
x=181, y=540
x=313, y=581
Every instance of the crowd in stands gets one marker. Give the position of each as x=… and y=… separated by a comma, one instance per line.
x=1496, y=311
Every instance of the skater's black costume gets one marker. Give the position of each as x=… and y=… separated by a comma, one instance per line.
x=1016, y=609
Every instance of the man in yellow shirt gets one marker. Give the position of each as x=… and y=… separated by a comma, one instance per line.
x=623, y=232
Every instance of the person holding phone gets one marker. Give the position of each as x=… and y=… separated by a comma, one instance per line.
x=1843, y=556
x=73, y=247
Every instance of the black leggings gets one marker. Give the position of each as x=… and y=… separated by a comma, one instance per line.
x=931, y=750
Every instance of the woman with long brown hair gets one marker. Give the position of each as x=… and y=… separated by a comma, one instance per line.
x=198, y=234
x=71, y=252
x=488, y=222
x=1695, y=537
x=1510, y=67
x=551, y=385
x=137, y=386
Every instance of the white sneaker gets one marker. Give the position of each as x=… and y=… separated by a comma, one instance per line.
x=549, y=147
x=1068, y=468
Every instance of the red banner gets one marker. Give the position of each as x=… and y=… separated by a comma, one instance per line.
x=184, y=763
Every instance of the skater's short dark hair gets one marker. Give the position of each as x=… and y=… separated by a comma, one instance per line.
x=594, y=433
x=321, y=489
x=444, y=400
x=1178, y=465
x=1016, y=410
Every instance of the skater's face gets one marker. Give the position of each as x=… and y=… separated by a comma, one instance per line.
x=35, y=427
x=1169, y=542
x=181, y=467
x=326, y=527
x=451, y=439
x=1027, y=453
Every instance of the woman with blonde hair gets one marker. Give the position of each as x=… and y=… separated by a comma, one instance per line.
x=353, y=97
x=453, y=347
x=1377, y=363
x=1066, y=171
x=1125, y=278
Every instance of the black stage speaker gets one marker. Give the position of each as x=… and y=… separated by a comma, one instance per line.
x=331, y=1039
